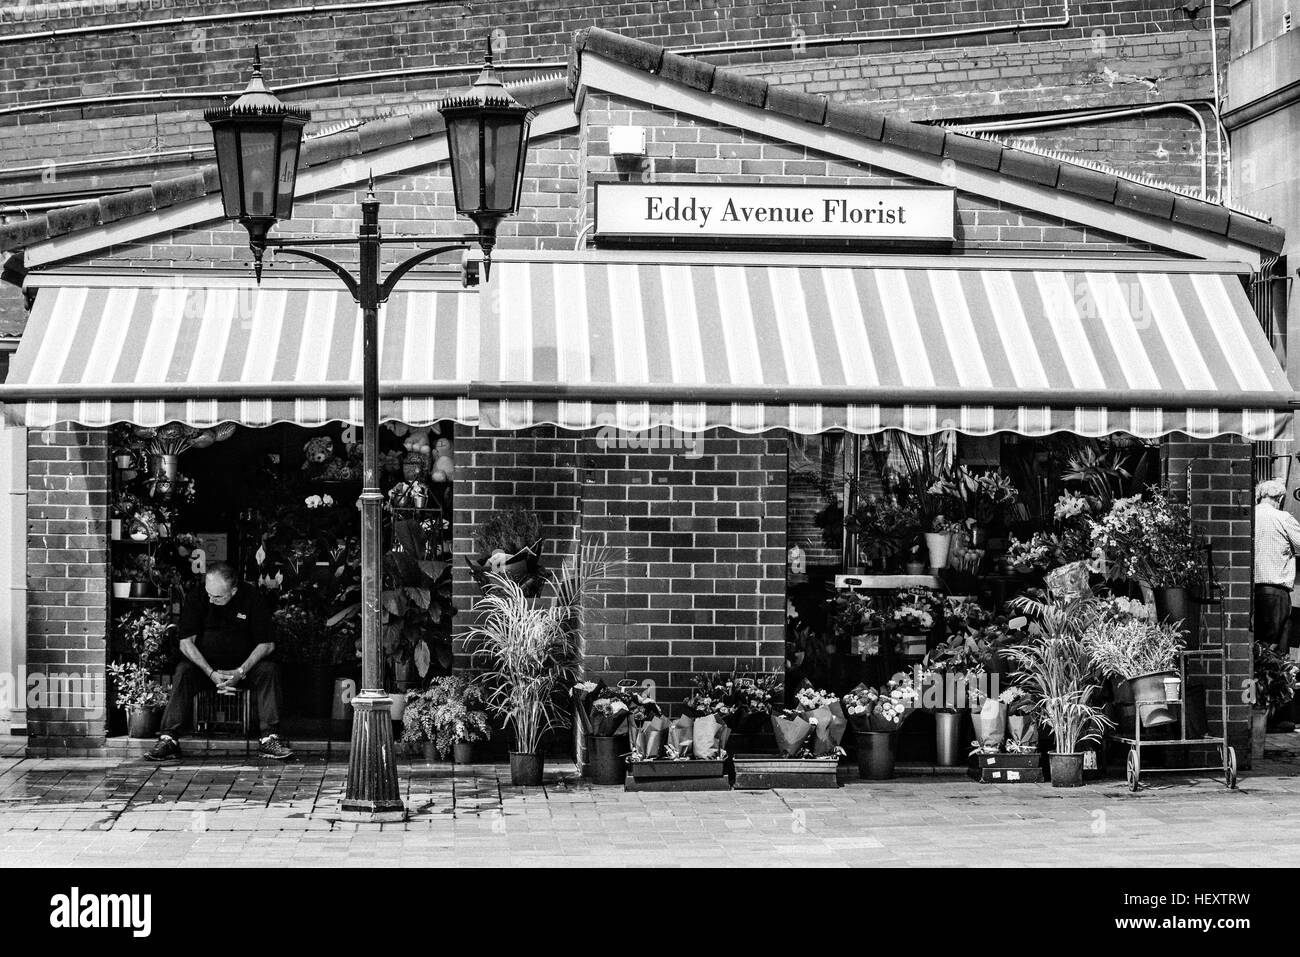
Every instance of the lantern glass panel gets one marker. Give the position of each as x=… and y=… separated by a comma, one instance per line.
x=463, y=148
x=523, y=161
x=259, y=161
x=501, y=135
x=288, y=171
x=226, y=141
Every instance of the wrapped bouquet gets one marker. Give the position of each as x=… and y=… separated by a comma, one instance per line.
x=814, y=728
x=1022, y=725
x=884, y=708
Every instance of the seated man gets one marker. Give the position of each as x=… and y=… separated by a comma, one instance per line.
x=225, y=637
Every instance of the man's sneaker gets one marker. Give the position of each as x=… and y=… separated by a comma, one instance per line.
x=272, y=747
x=165, y=750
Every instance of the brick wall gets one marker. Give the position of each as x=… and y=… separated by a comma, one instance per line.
x=1219, y=493
x=1111, y=53
x=413, y=204
x=67, y=584
x=704, y=533
x=700, y=530
x=439, y=33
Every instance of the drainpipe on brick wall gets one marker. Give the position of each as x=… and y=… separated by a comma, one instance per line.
x=13, y=578
x=1105, y=113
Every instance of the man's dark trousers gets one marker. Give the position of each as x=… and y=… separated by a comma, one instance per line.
x=188, y=681
x=1272, y=609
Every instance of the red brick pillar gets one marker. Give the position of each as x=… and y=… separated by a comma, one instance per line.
x=1216, y=476
x=67, y=587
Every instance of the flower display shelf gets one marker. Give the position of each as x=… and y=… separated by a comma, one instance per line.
x=1007, y=768
x=758, y=772
x=668, y=775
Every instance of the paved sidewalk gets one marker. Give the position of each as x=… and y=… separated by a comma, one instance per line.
x=222, y=811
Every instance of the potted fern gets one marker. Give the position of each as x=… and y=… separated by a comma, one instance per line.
x=140, y=696
x=1141, y=652
x=1056, y=671
x=448, y=717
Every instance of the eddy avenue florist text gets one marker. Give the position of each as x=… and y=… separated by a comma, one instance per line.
x=674, y=210
x=785, y=212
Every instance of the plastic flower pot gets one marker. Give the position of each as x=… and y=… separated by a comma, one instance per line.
x=938, y=544
x=463, y=752
x=143, y=590
x=605, y=757
x=1173, y=690
x=1151, y=688
x=121, y=589
x=525, y=769
x=1175, y=604
x=877, y=751
x=143, y=722
x=1066, y=769
x=916, y=568
x=947, y=739
x=1258, y=733
x=398, y=707
x=430, y=751
x=166, y=466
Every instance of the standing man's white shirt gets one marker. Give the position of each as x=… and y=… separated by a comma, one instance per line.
x=1277, y=540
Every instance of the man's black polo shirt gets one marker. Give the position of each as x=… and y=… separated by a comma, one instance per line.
x=226, y=634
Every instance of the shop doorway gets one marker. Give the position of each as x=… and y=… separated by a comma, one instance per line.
x=280, y=505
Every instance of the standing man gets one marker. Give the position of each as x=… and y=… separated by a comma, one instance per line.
x=1277, y=542
x=225, y=637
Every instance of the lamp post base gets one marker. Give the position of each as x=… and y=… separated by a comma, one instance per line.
x=372, y=795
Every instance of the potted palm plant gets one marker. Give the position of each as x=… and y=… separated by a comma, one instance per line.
x=140, y=696
x=1058, y=675
x=532, y=649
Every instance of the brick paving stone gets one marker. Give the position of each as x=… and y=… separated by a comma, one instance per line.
x=215, y=811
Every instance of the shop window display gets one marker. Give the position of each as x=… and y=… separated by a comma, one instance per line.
x=280, y=503
x=914, y=546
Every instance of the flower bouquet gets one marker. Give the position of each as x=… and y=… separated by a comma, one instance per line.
x=688, y=754
x=990, y=723
x=1022, y=726
x=814, y=728
x=881, y=709
x=808, y=741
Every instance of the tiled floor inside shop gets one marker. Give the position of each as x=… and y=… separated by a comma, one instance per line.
x=225, y=810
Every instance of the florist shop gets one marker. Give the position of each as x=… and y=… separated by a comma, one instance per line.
x=952, y=476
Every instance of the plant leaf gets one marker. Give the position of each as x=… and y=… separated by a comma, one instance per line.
x=422, y=657
x=394, y=602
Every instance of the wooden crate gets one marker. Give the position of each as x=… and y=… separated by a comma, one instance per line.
x=1007, y=768
x=757, y=772
x=663, y=768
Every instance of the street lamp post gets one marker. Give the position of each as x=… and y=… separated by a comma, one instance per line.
x=257, y=142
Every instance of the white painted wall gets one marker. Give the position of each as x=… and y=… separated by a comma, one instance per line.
x=13, y=577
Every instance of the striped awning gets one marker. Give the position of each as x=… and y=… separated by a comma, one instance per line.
x=624, y=342
x=981, y=346
x=206, y=352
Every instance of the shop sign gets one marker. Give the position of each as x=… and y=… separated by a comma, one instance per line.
x=858, y=214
